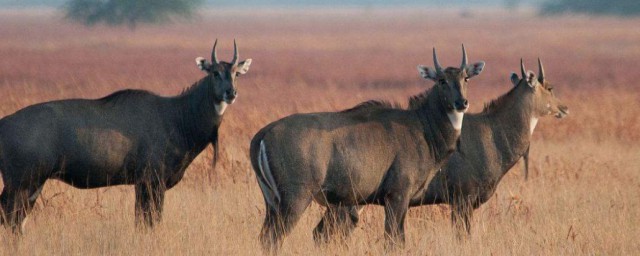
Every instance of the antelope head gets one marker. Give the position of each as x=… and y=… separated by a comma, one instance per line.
x=544, y=100
x=453, y=83
x=222, y=76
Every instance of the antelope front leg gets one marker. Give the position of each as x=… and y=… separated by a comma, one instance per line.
x=461, y=215
x=395, y=210
x=337, y=220
x=149, y=203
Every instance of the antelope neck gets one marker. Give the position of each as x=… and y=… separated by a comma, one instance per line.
x=199, y=119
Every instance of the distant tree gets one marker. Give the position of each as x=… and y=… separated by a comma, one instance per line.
x=512, y=4
x=600, y=7
x=129, y=12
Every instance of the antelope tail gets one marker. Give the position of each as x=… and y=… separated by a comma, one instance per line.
x=265, y=179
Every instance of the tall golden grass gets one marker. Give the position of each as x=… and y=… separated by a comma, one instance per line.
x=582, y=197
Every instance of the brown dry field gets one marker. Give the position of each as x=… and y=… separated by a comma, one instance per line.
x=582, y=197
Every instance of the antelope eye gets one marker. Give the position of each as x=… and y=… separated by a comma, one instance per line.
x=216, y=74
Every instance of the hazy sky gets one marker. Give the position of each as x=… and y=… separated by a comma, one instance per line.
x=58, y=3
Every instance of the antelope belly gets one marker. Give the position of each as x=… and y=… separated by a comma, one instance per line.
x=356, y=173
x=97, y=158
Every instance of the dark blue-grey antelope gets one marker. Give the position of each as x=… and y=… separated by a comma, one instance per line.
x=131, y=137
x=373, y=153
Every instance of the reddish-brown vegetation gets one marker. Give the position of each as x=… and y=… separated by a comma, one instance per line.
x=584, y=190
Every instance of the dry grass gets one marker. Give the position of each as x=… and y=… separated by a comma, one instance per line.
x=583, y=196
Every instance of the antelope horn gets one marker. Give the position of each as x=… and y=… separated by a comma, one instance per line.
x=235, y=53
x=540, y=72
x=435, y=62
x=524, y=73
x=214, y=56
x=464, y=58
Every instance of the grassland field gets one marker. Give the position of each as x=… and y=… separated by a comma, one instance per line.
x=582, y=196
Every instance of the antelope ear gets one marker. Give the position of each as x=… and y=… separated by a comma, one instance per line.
x=203, y=64
x=531, y=79
x=515, y=79
x=243, y=67
x=427, y=72
x=475, y=69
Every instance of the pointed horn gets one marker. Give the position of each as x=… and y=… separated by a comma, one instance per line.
x=464, y=58
x=235, y=53
x=214, y=56
x=524, y=72
x=540, y=72
x=435, y=61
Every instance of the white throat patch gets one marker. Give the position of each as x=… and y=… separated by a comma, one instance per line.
x=456, y=119
x=221, y=107
x=532, y=124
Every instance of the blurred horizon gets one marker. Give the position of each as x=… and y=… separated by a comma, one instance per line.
x=302, y=3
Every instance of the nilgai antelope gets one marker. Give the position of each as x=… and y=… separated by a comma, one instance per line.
x=491, y=143
x=131, y=137
x=371, y=154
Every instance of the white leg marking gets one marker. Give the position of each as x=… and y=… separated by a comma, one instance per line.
x=532, y=124
x=221, y=107
x=24, y=222
x=270, y=191
x=456, y=119
x=35, y=194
